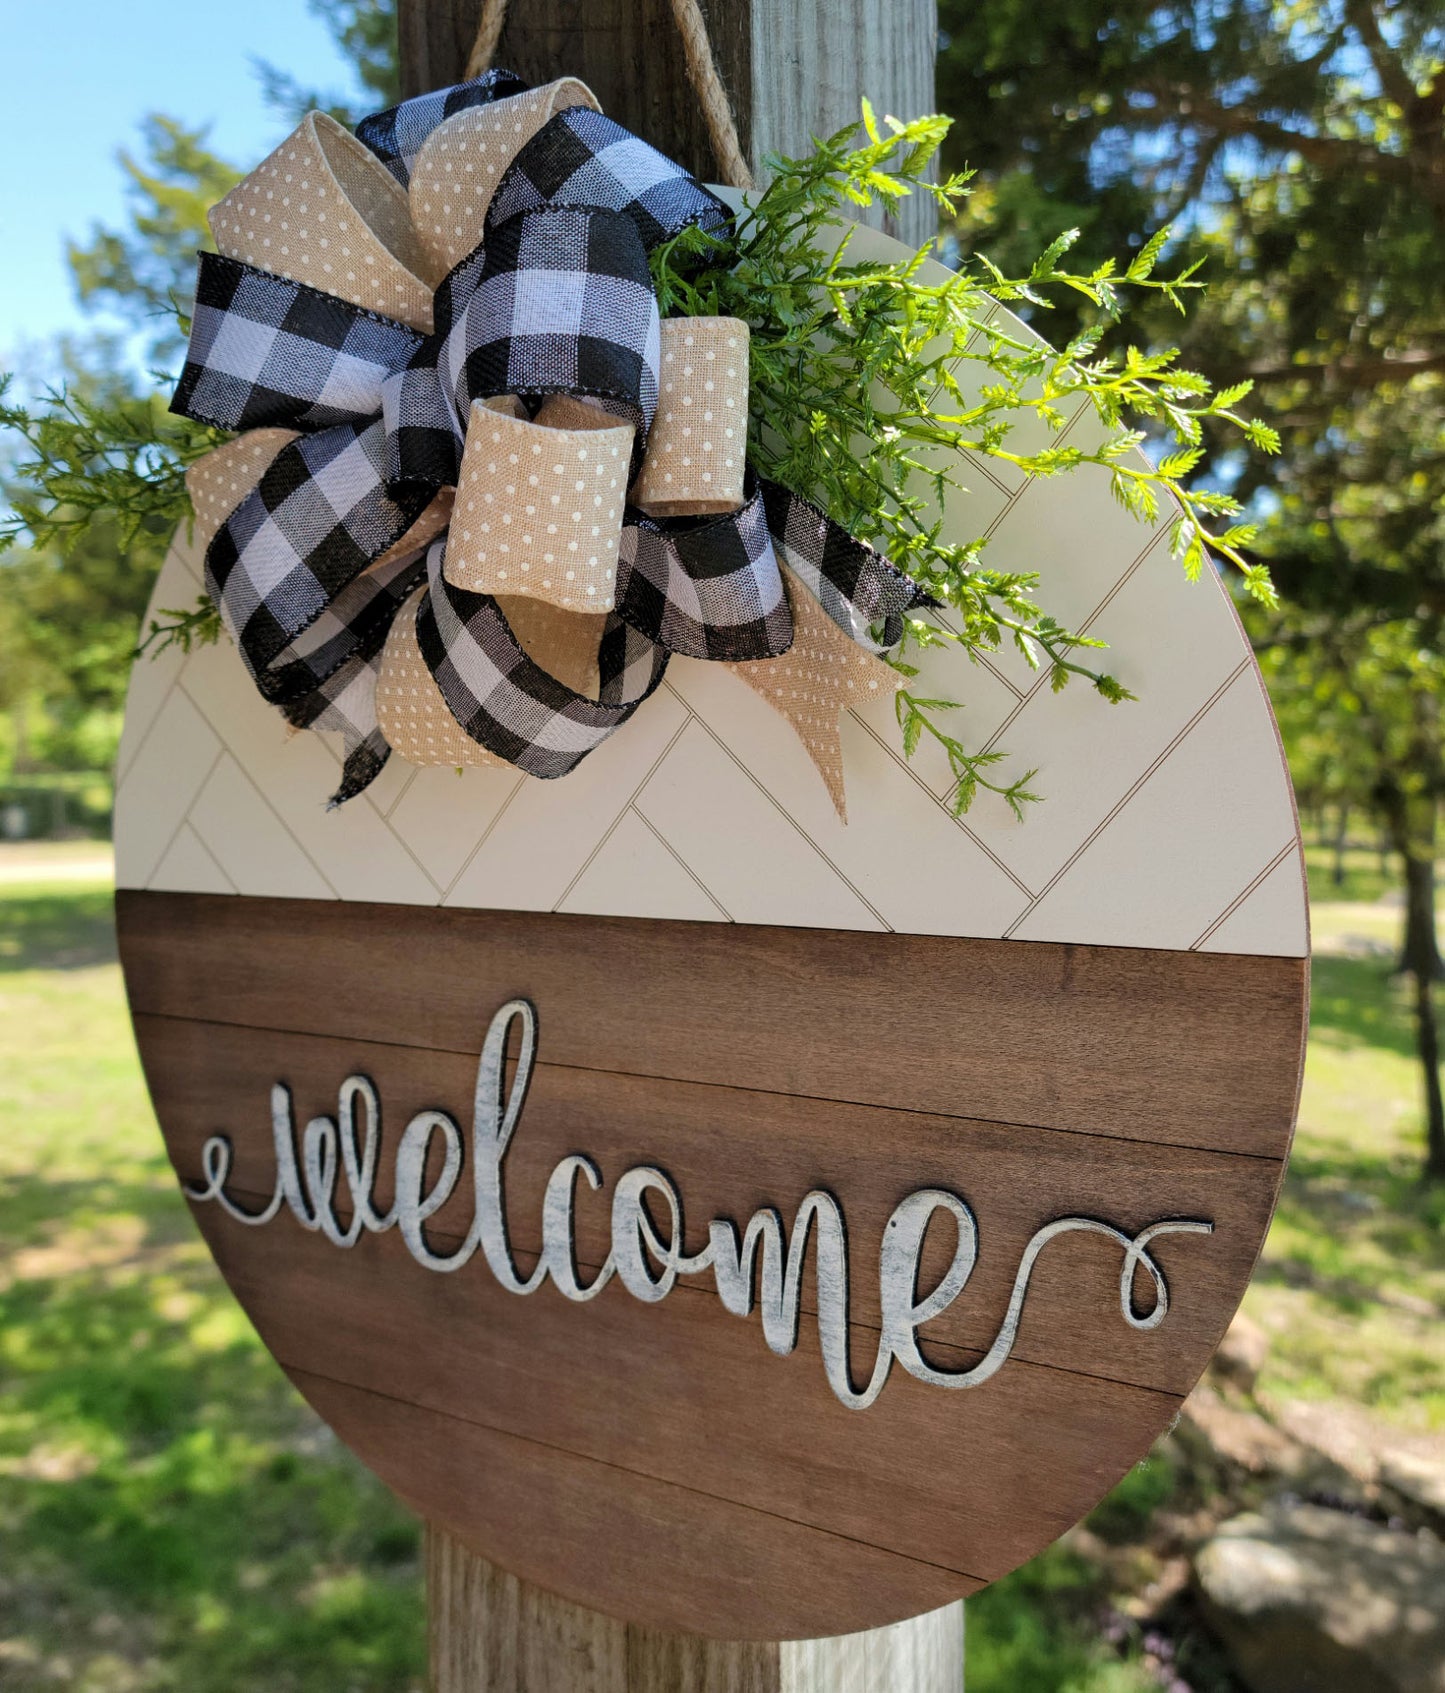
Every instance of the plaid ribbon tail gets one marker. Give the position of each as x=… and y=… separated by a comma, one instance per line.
x=346, y=703
x=505, y=700
x=706, y=588
x=299, y=575
x=863, y=593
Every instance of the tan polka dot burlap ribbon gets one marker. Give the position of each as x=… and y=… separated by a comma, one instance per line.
x=482, y=493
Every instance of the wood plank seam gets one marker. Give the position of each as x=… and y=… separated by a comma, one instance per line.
x=123, y=763
x=286, y=829
x=222, y=752
x=808, y=1308
x=960, y=1117
x=627, y=805
x=942, y=800
x=485, y=835
x=301, y=1370
x=776, y=804
x=1156, y=538
x=682, y=864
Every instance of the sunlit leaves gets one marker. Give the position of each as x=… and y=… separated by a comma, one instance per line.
x=869, y=377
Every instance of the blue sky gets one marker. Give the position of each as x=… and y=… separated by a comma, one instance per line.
x=79, y=79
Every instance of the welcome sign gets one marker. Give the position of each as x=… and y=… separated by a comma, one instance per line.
x=728, y=1217
x=646, y=1259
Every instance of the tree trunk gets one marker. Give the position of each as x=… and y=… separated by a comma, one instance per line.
x=1422, y=960
x=793, y=69
x=1420, y=948
x=20, y=717
x=1414, y=832
x=1342, y=841
x=1427, y=1035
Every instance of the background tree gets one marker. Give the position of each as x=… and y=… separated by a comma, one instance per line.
x=70, y=614
x=1299, y=146
x=365, y=31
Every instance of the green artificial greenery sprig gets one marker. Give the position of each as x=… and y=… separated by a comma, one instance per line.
x=119, y=459
x=867, y=381
x=868, y=378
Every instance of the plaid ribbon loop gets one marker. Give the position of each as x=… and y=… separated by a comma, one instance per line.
x=706, y=587
x=314, y=567
x=505, y=700
x=292, y=553
x=267, y=351
x=398, y=134
x=582, y=158
x=563, y=304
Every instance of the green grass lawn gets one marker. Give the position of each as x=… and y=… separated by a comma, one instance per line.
x=172, y=1516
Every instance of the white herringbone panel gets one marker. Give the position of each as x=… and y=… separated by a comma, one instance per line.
x=1165, y=823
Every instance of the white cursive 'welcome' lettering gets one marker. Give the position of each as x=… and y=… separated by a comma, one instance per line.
x=763, y=1264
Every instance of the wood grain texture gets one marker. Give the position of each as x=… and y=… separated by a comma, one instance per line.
x=920, y=1655
x=778, y=1148
x=793, y=68
x=620, y=1542
x=681, y=1396
x=493, y=1633
x=627, y=51
x=1184, y=1049
x=736, y=1497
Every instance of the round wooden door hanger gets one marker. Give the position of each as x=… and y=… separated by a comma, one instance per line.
x=730, y=1218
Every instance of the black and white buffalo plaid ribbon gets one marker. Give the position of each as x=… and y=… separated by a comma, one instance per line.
x=398, y=134
x=557, y=299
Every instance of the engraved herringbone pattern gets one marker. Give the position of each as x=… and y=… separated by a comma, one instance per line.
x=1167, y=823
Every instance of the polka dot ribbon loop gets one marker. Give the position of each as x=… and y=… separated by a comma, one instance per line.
x=489, y=493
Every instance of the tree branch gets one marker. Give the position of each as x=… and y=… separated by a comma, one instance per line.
x=1329, y=153
x=1356, y=373
x=1394, y=78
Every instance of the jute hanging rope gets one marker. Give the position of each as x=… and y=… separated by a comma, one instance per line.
x=702, y=73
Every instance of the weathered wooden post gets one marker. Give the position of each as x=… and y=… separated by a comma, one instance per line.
x=793, y=69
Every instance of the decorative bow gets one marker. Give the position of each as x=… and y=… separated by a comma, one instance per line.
x=485, y=493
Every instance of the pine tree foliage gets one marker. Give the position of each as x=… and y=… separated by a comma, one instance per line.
x=1299, y=148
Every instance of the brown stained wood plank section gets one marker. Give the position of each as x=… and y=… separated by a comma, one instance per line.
x=208, y=1078
x=1172, y=1048
x=537, y=1430
x=612, y=1541
x=683, y=1393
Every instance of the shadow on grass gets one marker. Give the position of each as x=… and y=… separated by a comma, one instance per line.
x=64, y=929
x=1350, y=1206
x=1357, y=1002
x=169, y=1508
